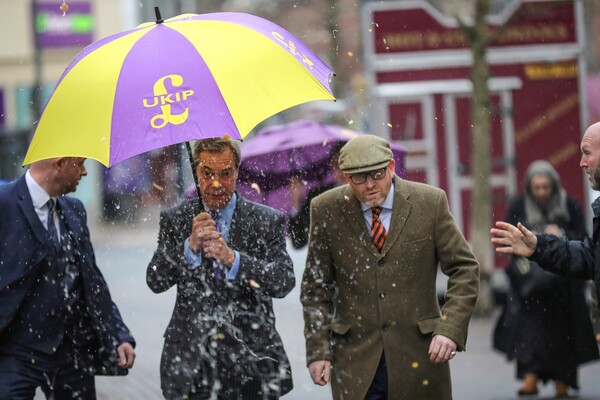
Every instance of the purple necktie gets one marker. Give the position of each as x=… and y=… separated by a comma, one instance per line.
x=216, y=265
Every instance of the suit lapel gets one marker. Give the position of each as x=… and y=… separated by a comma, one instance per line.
x=67, y=214
x=70, y=221
x=400, y=212
x=26, y=206
x=354, y=217
x=192, y=208
x=237, y=224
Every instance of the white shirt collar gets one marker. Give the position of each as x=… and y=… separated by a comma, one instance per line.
x=39, y=197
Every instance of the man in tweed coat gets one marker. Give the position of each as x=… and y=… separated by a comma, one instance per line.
x=228, y=262
x=373, y=326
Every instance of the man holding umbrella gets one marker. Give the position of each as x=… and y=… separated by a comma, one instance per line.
x=228, y=261
x=58, y=324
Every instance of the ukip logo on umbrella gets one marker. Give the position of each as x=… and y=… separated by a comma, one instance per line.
x=291, y=46
x=165, y=99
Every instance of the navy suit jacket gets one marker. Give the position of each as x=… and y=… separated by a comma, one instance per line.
x=25, y=247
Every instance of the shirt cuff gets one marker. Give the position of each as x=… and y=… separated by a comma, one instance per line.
x=235, y=267
x=194, y=260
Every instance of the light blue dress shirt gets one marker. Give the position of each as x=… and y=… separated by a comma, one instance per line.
x=386, y=211
x=225, y=217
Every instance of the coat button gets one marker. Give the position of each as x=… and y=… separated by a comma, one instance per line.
x=384, y=327
x=381, y=263
x=382, y=295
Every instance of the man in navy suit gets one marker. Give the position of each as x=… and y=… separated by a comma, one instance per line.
x=228, y=262
x=58, y=324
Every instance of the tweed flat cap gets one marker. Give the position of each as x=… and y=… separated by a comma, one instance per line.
x=365, y=153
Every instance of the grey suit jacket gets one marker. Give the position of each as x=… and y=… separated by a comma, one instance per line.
x=359, y=303
x=230, y=328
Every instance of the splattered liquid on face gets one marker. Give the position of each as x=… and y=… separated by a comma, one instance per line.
x=217, y=176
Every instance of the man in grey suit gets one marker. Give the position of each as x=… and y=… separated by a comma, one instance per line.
x=228, y=261
x=373, y=326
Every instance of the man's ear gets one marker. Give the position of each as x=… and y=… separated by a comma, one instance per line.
x=392, y=165
x=346, y=177
x=59, y=162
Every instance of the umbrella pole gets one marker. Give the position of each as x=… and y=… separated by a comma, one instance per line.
x=191, y=157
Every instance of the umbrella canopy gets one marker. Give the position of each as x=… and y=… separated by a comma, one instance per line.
x=302, y=148
x=189, y=77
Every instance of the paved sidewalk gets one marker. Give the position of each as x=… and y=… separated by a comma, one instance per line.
x=123, y=252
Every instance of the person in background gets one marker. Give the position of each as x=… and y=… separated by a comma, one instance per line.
x=373, y=326
x=545, y=325
x=577, y=259
x=299, y=217
x=594, y=311
x=126, y=189
x=58, y=324
x=228, y=262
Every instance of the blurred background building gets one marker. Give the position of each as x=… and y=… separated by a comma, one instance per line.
x=37, y=42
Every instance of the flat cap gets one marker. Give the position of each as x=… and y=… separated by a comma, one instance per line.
x=365, y=153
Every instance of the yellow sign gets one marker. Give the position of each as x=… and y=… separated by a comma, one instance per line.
x=551, y=70
x=425, y=39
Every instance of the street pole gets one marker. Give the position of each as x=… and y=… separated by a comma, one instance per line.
x=36, y=90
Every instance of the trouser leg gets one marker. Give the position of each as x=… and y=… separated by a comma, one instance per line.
x=379, y=386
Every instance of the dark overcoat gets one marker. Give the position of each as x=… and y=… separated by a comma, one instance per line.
x=545, y=324
x=223, y=335
x=578, y=259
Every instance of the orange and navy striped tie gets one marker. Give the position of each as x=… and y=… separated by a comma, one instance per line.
x=378, y=232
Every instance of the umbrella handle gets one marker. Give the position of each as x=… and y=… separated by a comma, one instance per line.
x=191, y=157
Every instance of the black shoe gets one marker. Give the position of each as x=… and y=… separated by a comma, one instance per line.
x=523, y=392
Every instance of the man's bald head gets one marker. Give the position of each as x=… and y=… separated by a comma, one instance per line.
x=58, y=176
x=590, y=154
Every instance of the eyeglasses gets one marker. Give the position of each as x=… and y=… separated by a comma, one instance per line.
x=376, y=175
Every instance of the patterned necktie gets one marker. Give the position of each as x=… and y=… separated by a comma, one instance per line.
x=51, y=226
x=378, y=232
x=216, y=265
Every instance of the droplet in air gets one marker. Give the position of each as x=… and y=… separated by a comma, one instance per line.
x=64, y=7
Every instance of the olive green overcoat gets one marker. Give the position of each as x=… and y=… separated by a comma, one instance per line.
x=359, y=303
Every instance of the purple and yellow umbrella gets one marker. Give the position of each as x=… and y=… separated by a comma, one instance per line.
x=186, y=78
